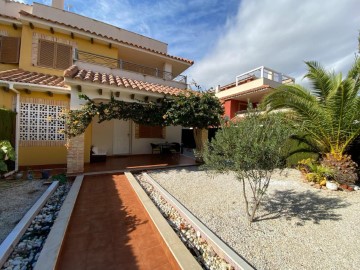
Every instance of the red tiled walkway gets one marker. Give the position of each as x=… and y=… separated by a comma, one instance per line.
x=134, y=162
x=110, y=229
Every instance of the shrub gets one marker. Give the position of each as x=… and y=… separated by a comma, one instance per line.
x=252, y=148
x=7, y=152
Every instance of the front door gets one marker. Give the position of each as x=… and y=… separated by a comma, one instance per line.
x=121, y=139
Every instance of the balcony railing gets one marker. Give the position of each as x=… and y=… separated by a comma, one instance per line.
x=264, y=72
x=124, y=65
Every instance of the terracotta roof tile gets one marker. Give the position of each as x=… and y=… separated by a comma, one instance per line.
x=24, y=13
x=22, y=76
x=109, y=79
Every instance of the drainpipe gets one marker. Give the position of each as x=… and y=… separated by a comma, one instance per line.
x=17, y=129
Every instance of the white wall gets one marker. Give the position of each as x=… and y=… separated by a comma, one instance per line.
x=142, y=146
x=102, y=135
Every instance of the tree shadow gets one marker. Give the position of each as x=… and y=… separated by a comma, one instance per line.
x=304, y=206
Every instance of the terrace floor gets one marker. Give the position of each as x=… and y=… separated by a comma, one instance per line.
x=110, y=229
x=120, y=164
x=139, y=162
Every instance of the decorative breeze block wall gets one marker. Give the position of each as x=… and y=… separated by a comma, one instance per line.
x=41, y=123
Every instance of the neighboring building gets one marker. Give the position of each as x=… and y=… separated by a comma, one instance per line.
x=251, y=87
x=49, y=55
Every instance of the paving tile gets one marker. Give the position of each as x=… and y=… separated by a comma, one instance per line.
x=111, y=230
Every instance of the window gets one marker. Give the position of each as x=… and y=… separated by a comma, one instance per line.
x=9, y=50
x=54, y=55
x=151, y=131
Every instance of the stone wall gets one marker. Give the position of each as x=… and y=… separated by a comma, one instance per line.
x=75, y=154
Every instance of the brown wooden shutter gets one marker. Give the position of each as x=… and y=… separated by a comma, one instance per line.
x=63, y=56
x=150, y=131
x=46, y=53
x=9, y=50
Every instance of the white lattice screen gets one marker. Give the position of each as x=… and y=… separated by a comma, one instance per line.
x=41, y=124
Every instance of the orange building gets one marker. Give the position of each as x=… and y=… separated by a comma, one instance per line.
x=251, y=87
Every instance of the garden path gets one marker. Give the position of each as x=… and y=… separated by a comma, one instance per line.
x=110, y=229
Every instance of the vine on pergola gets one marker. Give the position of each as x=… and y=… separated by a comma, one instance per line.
x=200, y=111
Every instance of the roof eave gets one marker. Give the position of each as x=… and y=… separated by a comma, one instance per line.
x=85, y=33
x=36, y=87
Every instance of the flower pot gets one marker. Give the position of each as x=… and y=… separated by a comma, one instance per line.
x=331, y=185
x=18, y=175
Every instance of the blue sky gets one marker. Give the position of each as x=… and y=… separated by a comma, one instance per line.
x=228, y=37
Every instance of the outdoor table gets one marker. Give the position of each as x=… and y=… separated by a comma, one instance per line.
x=165, y=147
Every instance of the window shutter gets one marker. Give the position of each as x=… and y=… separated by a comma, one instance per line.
x=150, y=131
x=46, y=53
x=63, y=56
x=9, y=50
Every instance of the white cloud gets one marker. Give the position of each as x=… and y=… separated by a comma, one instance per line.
x=282, y=35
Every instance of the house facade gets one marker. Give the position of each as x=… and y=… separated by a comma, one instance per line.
x=249, y=87
x=48, y=56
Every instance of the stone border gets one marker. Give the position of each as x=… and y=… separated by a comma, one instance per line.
x=13, y=238
x=222, y=249
x=51, y=250
x=177, y=248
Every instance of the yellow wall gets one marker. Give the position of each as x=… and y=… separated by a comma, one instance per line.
x=11, y=32
x=29, y=156
x=6, y=99
x=87, y=144
x=42, y=155
x=82, y=44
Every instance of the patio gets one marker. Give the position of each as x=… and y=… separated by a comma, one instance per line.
x=120, y=164
x=139, y=162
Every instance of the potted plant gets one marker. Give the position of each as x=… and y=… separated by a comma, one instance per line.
x=7, y=152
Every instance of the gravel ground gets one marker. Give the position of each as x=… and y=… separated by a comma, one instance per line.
x=16, y=198
x=299, y=227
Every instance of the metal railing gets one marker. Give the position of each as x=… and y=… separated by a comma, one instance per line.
x=121, y=64
x=264, y=72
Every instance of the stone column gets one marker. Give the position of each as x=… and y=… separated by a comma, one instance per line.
x=75, y=154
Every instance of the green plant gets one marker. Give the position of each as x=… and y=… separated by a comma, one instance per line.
x=314, y=171
x=252, y=148
x=7, y=125
x=329, y=113
x=60, y=177
x=7, y=152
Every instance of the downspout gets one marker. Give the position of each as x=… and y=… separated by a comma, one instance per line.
x=17, y=128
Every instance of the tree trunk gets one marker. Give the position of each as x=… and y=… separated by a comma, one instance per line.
x=201, y=138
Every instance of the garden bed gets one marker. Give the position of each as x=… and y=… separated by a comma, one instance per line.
x=27, y=251
x=299, y=227
x=16, y=198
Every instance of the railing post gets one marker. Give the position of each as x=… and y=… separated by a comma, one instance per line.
x=156, y=72
x=76, y=55
x=262, y=72
x=120, y=64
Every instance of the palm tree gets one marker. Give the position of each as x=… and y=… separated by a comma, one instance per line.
x=329, y=113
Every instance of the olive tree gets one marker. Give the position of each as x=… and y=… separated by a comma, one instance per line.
x=252, y=148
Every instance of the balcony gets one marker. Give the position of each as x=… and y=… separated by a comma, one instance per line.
x=120, y=64
x=264, y=72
